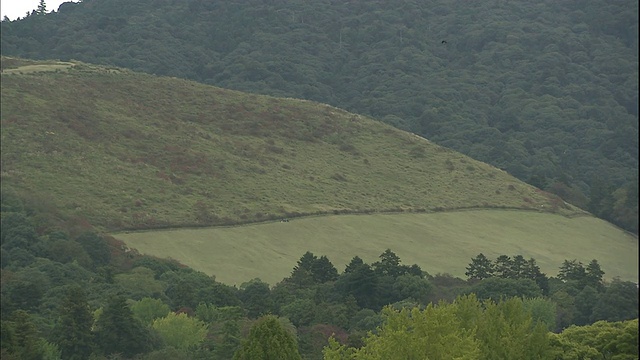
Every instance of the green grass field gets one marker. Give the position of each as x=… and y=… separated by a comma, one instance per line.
x=173, y=153
x=440, y=243
x=124, y=150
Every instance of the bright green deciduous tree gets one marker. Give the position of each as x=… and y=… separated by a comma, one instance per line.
x=542, y=311
x=180, y=331
x=507, y=331
x=268, y=340
x=464, y=329
x=601, y=340
x=148, y=309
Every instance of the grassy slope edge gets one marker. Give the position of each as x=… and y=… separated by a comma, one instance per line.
x=135, y=151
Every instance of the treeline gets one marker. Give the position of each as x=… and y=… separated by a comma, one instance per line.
x=69, y=293
x=547, y=91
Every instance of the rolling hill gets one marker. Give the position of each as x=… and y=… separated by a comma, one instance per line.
x=546, y=90
x=127, y=150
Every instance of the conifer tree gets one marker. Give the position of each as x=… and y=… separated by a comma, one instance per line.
x=480, y=268
x=503, y=267
x=594, y=274
x=73, y=330
x=119, y=332
x=42, y=8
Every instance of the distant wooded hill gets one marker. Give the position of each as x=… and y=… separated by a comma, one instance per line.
x=546, y=90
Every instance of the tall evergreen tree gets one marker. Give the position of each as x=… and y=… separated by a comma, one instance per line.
x=73, y=330
x=518, y=267
x=119, y=332
x=503, y=267
x=323, y=270
x=594, y=274
x=572, y=270
x=42, y=8
x=389, y=264
x=361, y=282
x=301, y=274
x=480, y=268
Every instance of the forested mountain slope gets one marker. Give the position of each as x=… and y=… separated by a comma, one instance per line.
x=546, y=90
x=131, y=150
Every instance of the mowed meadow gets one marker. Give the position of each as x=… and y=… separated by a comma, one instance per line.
x=440, y=243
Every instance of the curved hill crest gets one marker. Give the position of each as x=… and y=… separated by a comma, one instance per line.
x=130, y=151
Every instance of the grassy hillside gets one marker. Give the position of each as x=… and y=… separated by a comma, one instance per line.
x=128, y=150
x=547, y=90
x=439, y=243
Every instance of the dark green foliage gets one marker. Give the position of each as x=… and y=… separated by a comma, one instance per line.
x=117, y=331
x=497, y=288
x=268, y=340
x=585, y=301
x=16, y=231
x=300, y=312
x=66, y=251
x=22, y=337
x=256, y=298
x=503, y=267
x=594, y=274
x=508, y=268
x=572, y=270
x=365, y=319
x=159, y=266
x=72, y=332
x=359, y=281
x=388, y=265
x=479, y=268
x=96, y=247
x=310, y=269
x=619, y=302
x=24, y=290
x=230, y=342
x=188, y=288
x=412, y=287
x=323, y=270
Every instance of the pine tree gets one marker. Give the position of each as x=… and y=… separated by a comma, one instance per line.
x=572, y=270
x=73, y=330
x=42, y=8
x=118, y=331
x=389, y=264
x=594, y=274
x=323, y=270
x=480, y=268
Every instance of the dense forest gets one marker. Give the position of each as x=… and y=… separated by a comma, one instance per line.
x=69, y=292
x=546, y=90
